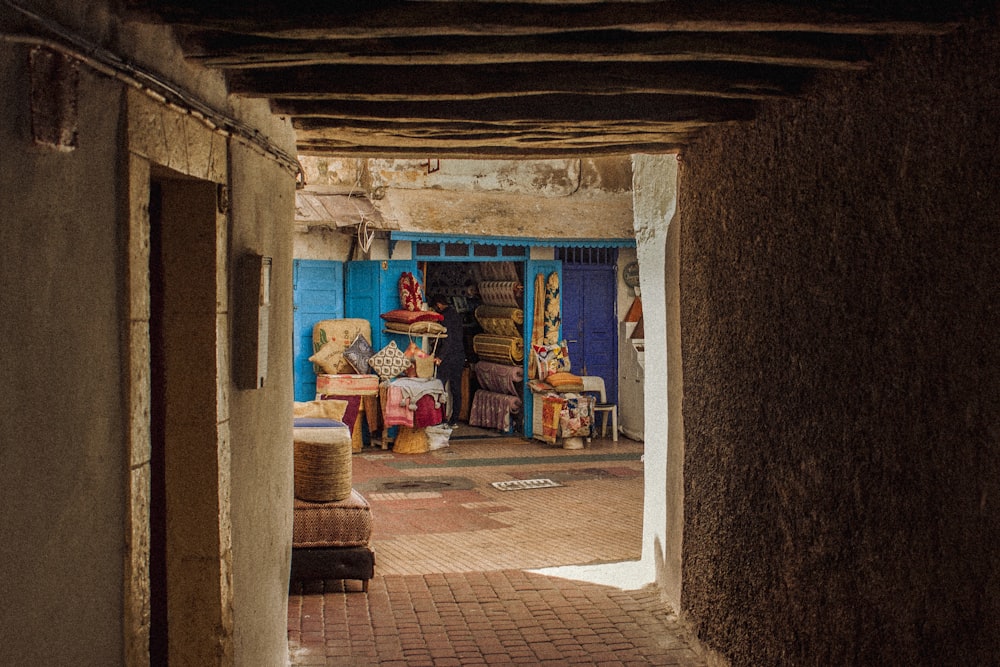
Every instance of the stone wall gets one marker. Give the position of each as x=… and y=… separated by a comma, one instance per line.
x=63, y=475
x=839, y=320
x=75, y=362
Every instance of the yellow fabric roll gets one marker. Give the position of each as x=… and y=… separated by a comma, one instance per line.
x=507, y=350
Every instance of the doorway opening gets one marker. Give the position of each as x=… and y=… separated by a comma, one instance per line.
x=188, y=604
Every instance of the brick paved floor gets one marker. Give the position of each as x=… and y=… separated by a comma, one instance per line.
x=450, y=584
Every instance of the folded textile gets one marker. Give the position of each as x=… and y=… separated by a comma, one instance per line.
x=501, y=349
x=577, y=416
x=413, y=389
x=415, y=328
x=498, y=378
x=395, y=412
x=429, y=412
x=493, y=410
x=552, y=407
x=408, y=316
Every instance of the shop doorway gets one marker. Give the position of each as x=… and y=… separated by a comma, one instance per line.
x=590, y=322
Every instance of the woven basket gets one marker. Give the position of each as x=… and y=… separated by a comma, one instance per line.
x=323, y=468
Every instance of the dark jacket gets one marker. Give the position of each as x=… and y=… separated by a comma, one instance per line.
x=451, y=350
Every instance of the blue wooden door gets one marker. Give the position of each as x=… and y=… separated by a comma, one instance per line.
x=532, y=268
x=317, y=294
x=590, y=325
x=372, y=288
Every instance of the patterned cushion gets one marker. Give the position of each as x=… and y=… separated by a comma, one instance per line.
x=358, y=353
x=330, y=357
x=552, y=358
x=409, y=316
x=563, y=381
x=416, y=327
x=410, y=295
x=389, y=362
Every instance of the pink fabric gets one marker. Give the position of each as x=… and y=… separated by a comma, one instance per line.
x=397, y=414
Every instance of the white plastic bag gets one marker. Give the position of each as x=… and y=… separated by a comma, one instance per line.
x=438, y=436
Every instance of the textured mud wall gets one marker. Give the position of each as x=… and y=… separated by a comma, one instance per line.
x=263, y=203
x=840, y=316
x=62, y=477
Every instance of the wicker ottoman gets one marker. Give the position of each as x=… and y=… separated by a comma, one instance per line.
x=331, y=540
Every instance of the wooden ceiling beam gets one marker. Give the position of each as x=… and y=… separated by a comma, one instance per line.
x=532, y=108
x=229, y=50
x=443, y=137
x=465, y=82
x=480, y=152
x=405, y=130
x=322, y=19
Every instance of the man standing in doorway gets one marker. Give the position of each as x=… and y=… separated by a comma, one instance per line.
x=451, y=355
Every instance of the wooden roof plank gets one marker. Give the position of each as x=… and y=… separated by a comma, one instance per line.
x=229, y=50
x=396, y=18
x=534, y=108
x=463, y=82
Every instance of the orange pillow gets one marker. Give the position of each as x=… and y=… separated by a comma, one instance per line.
x=563, y=381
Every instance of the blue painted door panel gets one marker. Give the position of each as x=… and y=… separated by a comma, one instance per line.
x=590, y=325
x=532, y=268
x=317, y=294
x=372, y=288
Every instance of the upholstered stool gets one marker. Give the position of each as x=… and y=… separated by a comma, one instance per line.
x=331, y=540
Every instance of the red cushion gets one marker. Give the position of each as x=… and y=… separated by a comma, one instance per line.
x=410, y=316
x=410, y=294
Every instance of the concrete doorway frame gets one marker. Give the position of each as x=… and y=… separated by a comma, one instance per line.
x=199, y=558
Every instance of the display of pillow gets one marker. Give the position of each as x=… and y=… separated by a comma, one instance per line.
x=410, y=295
x=414, y=328
x=330, y=358
x=389, y=362
x=326, y=409
x=410, y=316
x=563, y=381
x=358, y=353
x=551, y=358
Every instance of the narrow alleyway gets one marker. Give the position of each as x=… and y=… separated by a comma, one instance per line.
x=456, y=580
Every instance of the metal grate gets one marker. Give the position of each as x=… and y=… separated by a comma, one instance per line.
x=580, y=255
x=519, y=484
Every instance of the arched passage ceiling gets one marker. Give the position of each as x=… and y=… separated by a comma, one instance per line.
x=459, y=78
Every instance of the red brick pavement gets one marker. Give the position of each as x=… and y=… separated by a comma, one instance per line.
x=508, y=617
x=453, y=575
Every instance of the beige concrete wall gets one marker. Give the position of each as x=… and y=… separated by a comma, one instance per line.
x=63, y=476
x=655, y=192
x=263, y=198
x=839, y=326
x=75, y=363
x=589, y=198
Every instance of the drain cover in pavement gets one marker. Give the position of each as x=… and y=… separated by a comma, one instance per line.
x=518, y=484
x=415, y=484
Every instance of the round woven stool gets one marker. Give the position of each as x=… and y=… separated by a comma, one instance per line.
x=322, y=462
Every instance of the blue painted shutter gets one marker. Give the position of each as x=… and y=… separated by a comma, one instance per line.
x=372, y=288
x=317, y=294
